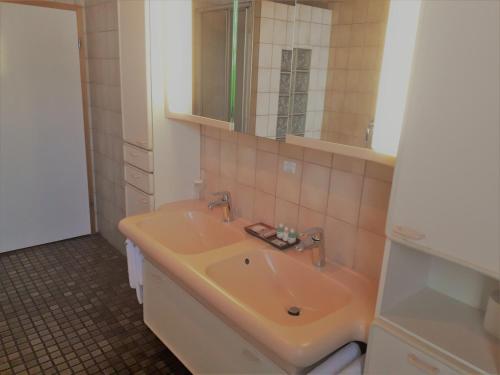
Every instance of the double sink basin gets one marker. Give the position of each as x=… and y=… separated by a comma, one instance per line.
x=278, y=299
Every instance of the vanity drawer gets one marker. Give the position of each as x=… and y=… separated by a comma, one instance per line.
x=395, y=354
x=137, y=202
x=140, y=179
x=138, y=157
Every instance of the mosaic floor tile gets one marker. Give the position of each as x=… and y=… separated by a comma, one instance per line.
x=67, y=308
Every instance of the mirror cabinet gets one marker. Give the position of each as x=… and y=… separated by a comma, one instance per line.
x=273, y=68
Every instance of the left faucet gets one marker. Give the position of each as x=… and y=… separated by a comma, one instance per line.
x=223, y=201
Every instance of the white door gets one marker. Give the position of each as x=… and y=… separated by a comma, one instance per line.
x=43, y=176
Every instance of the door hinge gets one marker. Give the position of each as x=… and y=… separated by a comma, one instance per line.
x=79, y=43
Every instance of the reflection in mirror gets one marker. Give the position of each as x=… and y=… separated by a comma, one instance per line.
x=213, y=94
x=315, y=68
x=346, y=47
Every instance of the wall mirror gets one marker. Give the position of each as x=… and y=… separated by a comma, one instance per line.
x=316, y=68
x=304, y=70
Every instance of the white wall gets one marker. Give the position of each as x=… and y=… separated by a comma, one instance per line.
x=176, y=146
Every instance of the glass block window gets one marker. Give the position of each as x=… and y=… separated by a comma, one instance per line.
x=294, y=86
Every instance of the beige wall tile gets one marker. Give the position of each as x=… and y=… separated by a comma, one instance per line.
x=379, y=171
x=228, y=159
x=291, y=151
x=244, y=199
x=345, y=196
x=210, y=131
x=210, y=184
x=247, y=157
x=286, y=213
x=345, y=16
x=247, y=140
x=227, y=184
x=211, y=153
x=266, y=172
x=348, y=164
x=340, y=241
x=355, y=58
x=341, y=35
x=315, y=186
x=288, y=184
x=374, y=203
x=229, y=136
x=369, y=254
x=357, y=35
x=359, y=11
x=268, y=145
x=264, y=207
x=318, y=157
x=341, y=57
x=309, y=219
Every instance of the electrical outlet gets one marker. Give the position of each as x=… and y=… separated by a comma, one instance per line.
x=289, y=166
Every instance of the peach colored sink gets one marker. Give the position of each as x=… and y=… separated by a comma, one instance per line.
x=190, y=232
x=271, y=282
x=209, y=258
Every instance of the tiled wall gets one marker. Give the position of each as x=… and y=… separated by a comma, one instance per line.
x=283, y=27
x=312, y=31
x=347, y=197
x=358, y=33
x=105, y=115
x=274, y=28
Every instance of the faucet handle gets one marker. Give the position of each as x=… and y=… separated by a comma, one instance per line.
x=225, y=195
x=316, y=233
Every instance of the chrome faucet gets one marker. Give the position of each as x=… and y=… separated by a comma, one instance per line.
x=313, y=238
x=224, y=201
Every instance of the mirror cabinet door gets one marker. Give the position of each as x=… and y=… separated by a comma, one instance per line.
x=213, y=67
x=346, y=41
x=314, y=68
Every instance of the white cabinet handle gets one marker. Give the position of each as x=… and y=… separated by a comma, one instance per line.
x=421, y=365
x=407, y=233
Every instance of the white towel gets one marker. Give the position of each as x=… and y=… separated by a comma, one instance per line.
x=338, y=360
x=354, y=368
x=134, y=264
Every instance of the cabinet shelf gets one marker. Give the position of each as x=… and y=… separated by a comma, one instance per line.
x=450, y=325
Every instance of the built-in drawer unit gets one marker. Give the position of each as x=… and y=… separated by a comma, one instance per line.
x=140, y=179
x=138, y=157
x=137, y=202
x=393, y=353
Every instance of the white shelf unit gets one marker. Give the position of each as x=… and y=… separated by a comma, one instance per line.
x=440, y=303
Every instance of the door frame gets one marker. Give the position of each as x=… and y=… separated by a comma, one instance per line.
x=83, y=74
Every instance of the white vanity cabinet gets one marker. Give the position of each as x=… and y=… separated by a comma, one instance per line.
x=201, y=340
x=442, y=256
x=446, y=189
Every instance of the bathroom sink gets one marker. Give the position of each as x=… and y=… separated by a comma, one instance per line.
x=278, y=287
x=190, y=231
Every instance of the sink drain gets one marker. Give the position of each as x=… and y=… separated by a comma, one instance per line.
x=294, y=311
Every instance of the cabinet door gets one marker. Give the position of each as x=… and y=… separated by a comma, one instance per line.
x=446, y=191
x=134, y=70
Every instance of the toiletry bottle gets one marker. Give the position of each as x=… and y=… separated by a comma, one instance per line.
x=292, y=236
x=280, y=230
x=285, y=235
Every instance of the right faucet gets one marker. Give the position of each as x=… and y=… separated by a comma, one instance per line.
x=314, y=238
